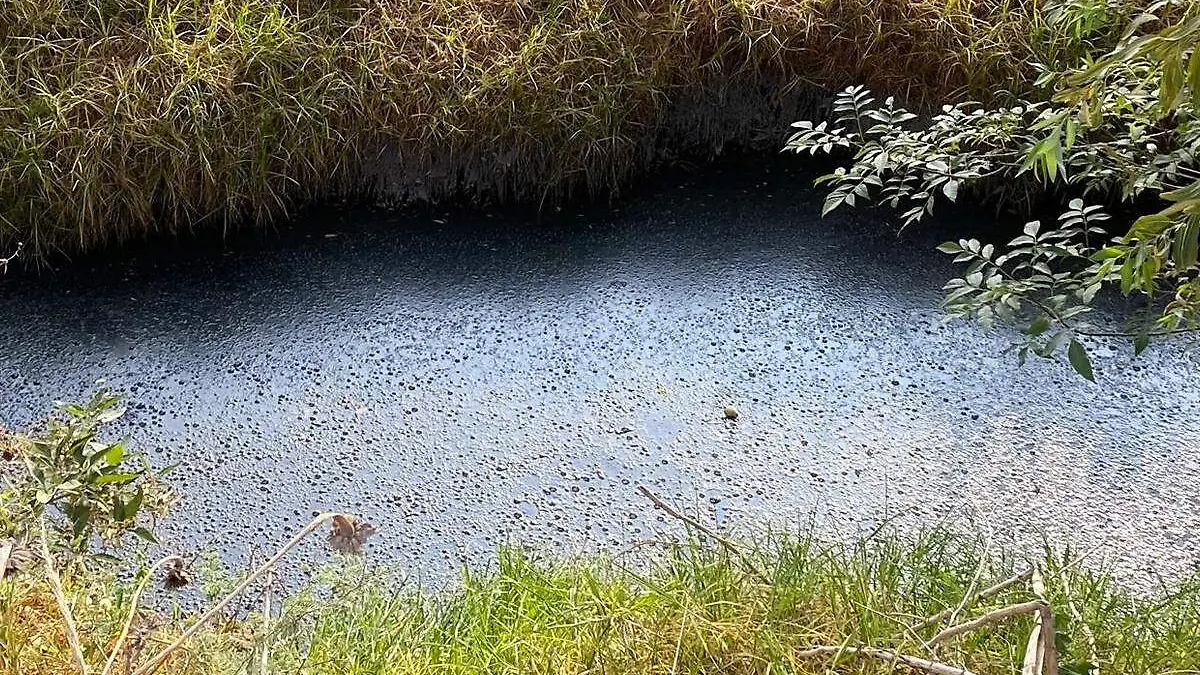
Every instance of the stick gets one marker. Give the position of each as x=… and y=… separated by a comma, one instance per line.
x=156, y=662
x=1033, y=649
x=886, y=655
x=61, y=598
x=982, y=595
x=729, y=546
x=991, y=617
x=137, y=597
x=266, y=624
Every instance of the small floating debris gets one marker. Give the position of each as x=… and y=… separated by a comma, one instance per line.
x=731, y=413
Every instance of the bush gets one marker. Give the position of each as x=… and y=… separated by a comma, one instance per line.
x=124, y=117
x=1122, y=124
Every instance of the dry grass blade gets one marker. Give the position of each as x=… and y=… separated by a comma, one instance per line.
x=1089, y=635
x=913, y=662
x=63, y=606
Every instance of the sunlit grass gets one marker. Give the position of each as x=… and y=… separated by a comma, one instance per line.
x=689, y=608
x=120, y=117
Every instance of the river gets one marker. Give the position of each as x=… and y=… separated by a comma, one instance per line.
x=470, y=378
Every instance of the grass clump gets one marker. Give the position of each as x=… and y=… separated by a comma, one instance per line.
x=122, y=117
x=693, y=609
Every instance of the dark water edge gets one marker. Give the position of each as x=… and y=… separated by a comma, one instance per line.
x=466, y=377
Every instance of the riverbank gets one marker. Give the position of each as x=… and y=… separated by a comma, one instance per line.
x=159, y=117
x=789, y=604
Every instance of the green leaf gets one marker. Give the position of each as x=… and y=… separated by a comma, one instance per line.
x=1038, y=326
x=114, y=454
x=1078, y=357
x=115, y=478
x=950, y=247
x=147, y=535
x=1140, y=342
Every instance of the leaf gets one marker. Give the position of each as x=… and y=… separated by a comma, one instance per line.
x=114, y=454
x=1078, y=357
x=115, y=478
x=950, y=247
x=950, y=189
x=147, y=535
x=1140, y=342
x=1038, y=326
x=1031, y=228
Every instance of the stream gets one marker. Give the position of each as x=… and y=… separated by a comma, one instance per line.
x=466, y=379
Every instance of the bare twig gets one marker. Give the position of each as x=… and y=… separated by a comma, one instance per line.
x=990, y=617
x=15, y=254
x=729, y=545
x=1047, y=650
x=1032, y=664
x=914, y=662
x=266, y=623
x=158, y=660
x=64, y=608
x=986, y=593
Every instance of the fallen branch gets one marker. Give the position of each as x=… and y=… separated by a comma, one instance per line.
x=266, y=623
x=729, y=545
x=914, y=662
x=991, y=617
x=986, y=593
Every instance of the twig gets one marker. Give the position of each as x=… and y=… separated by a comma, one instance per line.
x=266, y=623
x=161, y=657
x=986, y=593
x=914, y=662
x=729, y=545
x=63, y=607
x=1047, y=650
x=137, y=597
x=15, y=254
x=991, y=617
x=1032, y=664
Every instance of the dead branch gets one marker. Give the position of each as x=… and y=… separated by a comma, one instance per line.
x=729, y=545
x=986, y=593
x=914, y=662
x=991, y=617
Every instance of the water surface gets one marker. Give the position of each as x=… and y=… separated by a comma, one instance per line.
x=474, y=378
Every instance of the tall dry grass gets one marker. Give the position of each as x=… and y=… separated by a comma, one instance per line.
x=122, y=117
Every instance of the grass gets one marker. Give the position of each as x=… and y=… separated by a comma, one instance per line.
x=692, y=608
x=124, y=117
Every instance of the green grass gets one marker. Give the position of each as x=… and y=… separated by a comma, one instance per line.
x=124, y=117
x=688, y=608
